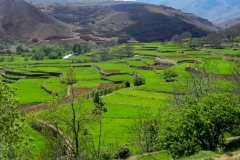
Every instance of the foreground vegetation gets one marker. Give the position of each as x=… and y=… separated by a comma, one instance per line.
x=173, y=99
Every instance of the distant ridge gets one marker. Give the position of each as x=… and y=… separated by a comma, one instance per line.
x=229, y=23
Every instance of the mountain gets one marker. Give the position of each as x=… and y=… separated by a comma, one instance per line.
x=143, y=22
x=216, y=11
x=229, y=23
x=22, y=22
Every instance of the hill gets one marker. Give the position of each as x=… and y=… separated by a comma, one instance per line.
x=143, y=22
x=229, y=23
x=22, y=22
x=216, y=11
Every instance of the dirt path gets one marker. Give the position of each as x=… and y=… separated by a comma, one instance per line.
x=136, y=157
x=33, y=108
x=236, y=156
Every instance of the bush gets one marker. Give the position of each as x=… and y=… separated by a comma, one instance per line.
x=106, y=156
x=138, y=81
x=200, y=125
x=169, y=74
x=233, y=144
x=123, y=153
x=53, y=55
x=127, y=84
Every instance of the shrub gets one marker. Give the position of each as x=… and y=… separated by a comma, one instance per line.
x=53, y=55
x=106, y=155
x=138, y=80
x=200, y=125
x=233, y=144
x=123, y=153
x=127, y=84
x=169, y=74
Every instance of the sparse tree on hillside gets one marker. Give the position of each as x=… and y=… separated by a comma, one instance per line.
x=146, y=130
x=186, y=35
x=214, y=39
x=99, y=110
x=104, y=54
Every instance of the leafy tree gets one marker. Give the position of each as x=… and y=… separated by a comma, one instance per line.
x=69, y=77
x=2, y=59
x=80, y=49
x=53, y=55
x=200, y=125
x=77, y=49
x=38, y=56
x=13, y=144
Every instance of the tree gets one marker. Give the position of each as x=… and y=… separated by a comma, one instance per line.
x=99, y=110
x=176, y=39
x=104, y=54
x=14, y=144
x=200, y=125
x=20, y=49
x=80, y=49
x=186, y=35
x=128, y=50
x=77, y=49
x=146, y=130
x=69, y=77
x=75, y=125
x=214, y=39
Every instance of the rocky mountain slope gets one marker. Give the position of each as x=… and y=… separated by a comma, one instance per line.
x=143, y=22
x=216, y=11
x=20, y=21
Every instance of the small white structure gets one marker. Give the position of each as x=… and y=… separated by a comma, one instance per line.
x=68, y=56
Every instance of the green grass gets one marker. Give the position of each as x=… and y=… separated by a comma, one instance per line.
x=38, y=140
x=225, y=51
x=124, y=77
x=123, y=105
x=202, y=155
x=29, y=91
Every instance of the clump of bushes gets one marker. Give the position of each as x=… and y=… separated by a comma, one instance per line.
x=110, y=90
x=201, y=124
x=123, y=153
x=127, y=84
x=169, y=75
x=138, y=80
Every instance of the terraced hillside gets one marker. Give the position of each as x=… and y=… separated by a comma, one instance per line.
x=37, y=81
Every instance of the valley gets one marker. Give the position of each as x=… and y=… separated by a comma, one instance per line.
x=126, y=80
x=38, y=81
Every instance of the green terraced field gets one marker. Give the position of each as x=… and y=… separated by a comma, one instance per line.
x=124, y=104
